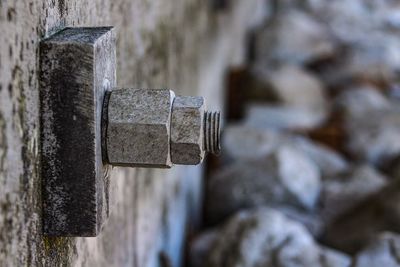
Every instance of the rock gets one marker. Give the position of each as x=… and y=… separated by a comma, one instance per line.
x=200, y=247
x=393, y=168
x=328, y=161
x=393, y=19
x=372, y=125
x=265, y=237
x=374, y=137
x=293, y=37
x=382, y=251
x=332, y=258
x=242, y=142
x=310, y=220
x=352, y=230
x=369, y=49
x=344, y=191
x=286, y=176
x=294, y=98
x=293, y=86
x=372, y=59
x=375, y=59
x=371, y=46
x=347, y=19
x=281, y=117
x=356, y=102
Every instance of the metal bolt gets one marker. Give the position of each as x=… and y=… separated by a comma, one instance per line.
x=212, y=132
x=155, y=128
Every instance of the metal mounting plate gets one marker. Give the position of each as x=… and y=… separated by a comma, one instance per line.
x=77, y=67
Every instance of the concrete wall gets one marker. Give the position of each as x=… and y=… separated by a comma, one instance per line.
x=179, y=44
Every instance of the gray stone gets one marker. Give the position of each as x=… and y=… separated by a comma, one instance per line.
x=293, y=37
x=353, y=229
x=332, y=258
x=328, y=161
x=393, y=168
x=347, y=19
x=286, y=176
x=375, y=59
x=200, y=247
x=138, y=130
x=357, y=101
x=374, y=136
x=187, y=130
x=372, y=59
x=371, y=47
x=245, y=142
x=383, y=250
x=343, y=192
x=293, y=86
x=372, y=124
x=282, y=117
x=265, y=237
x=241, y=142
x=393, y=19
x=311, y=220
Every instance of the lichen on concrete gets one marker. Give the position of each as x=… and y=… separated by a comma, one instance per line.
x=3, y=143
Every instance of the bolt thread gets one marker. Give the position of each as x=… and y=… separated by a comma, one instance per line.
x=212, y=131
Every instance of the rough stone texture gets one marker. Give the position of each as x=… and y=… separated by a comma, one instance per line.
x=297, y=98
x=311, y=220
x=345, y=190
x=265, y=237
x=282, y=117
x=372, y=47
x=294, y=86
x=139, y=127
x=372, y=124
x=353, y=229
x=286, y=176
x=328, y=161
x=180, y=44
x=200, y=247
x=240, y=142
x=382, y=251
x=187, y=130
x=244, y=142
x=374, y=138
x=77, y=68
x=356, y=102
x=393, y=168
x=293, y=37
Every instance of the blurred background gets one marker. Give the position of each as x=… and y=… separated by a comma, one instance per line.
x=309, y=173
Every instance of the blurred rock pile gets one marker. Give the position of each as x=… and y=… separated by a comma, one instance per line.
x=311, y=175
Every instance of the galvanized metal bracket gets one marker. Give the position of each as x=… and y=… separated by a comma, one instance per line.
x=77, y=67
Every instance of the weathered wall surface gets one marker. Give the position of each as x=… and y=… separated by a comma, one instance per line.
x=180, y=44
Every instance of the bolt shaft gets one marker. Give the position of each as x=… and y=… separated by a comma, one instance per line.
x=212, y=131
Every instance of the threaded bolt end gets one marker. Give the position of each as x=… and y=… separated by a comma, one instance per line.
x=212, y=132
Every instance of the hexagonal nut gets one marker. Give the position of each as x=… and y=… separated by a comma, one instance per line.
x=187, y=130
x=138, y=130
